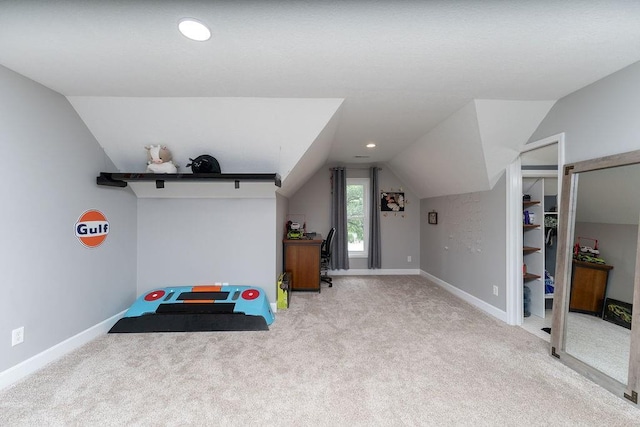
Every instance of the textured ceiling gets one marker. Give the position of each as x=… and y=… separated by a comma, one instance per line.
x=390, y=71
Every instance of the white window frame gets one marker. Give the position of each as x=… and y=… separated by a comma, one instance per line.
x=366, y=203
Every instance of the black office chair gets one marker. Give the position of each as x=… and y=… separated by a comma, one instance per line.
x=325, y=257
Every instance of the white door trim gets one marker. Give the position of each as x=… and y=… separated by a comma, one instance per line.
x=514, y=243
x=514, y=223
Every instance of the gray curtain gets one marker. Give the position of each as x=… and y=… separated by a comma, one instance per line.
x=375, y=255
x=340, y=252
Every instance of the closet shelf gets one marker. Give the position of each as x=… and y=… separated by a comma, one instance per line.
x=112, y=179
x=529, y=249
x=537, y=250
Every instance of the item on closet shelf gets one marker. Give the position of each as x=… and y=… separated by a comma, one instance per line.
x=549, y=237
x=204, y=164
x=529, y=218
x=551, y=228
x=549, y=284
x=159, y=159
x=526, y=198
x=551, y=221
x=526, y=299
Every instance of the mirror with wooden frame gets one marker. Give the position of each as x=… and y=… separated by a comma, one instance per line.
x=595, y=330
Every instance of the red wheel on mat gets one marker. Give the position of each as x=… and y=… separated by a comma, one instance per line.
x=154, y=295
x=250, y=294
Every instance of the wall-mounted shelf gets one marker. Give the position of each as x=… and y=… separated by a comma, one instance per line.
x=113, y=179
x=194, y=186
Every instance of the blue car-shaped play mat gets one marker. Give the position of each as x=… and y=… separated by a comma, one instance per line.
x=198, y=308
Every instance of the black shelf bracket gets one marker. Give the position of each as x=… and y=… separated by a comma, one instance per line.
x=118, y=179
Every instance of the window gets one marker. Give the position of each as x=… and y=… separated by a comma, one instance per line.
x=358, y=216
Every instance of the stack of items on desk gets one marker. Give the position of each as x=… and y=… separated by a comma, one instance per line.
x=294, y=230
x=587, y=253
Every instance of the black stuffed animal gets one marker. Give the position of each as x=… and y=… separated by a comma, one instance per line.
x=204, y=164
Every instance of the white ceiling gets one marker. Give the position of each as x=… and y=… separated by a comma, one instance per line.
x=291, y=85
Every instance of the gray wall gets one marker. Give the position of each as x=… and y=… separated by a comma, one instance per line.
x=399, y=232
x=467, y=247
x=617, y=245
x=313, y=201
x=52, y=285
x=185, y=242
x=598, y=120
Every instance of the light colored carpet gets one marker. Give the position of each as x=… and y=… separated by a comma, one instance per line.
x=371, y=351
x=599, y=343
x=534, y=324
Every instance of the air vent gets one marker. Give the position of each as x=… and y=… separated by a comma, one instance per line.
x=361, y=157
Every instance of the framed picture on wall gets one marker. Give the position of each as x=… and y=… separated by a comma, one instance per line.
x=433, y=217
x=392, y=202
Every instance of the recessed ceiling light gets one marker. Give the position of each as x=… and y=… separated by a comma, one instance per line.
x=194, y=29
x=371, y=145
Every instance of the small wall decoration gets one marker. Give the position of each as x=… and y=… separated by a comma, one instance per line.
x=433, y=217
x=92, y=228
x=392, y=202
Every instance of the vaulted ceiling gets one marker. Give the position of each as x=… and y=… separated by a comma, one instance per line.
x=449, y=91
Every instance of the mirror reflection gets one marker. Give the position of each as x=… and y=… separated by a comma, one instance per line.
x=605, y=233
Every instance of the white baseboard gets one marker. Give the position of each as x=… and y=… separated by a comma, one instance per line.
x=477, y=302
x=374, y=272
x=33, y=364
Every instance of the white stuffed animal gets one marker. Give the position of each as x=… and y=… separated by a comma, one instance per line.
x=159, y=160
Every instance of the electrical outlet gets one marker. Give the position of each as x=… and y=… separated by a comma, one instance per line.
x=495, y=290
x=17, y=336
x=409, y=258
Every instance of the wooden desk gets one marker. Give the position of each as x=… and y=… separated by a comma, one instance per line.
x=302, y=261
x=588, y=287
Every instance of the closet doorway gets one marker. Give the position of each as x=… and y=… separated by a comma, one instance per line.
x=533, y=199
x=539, y=239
